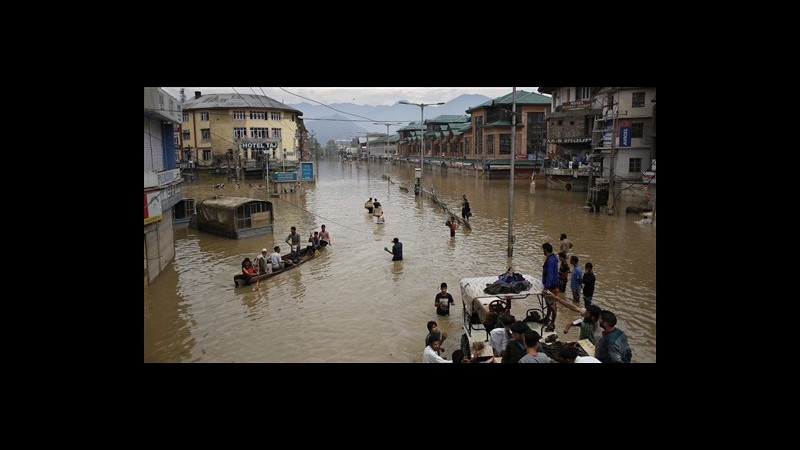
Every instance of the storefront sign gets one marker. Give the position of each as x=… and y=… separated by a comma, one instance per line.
x=168, y=176
x=585, y=140
x=170, y=196
x=625, y=136
x=260, y=145
x=152, y=207
x=580, y=104
x=306, y=171
x=280, y=177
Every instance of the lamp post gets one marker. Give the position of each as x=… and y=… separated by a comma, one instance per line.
x=386, y=149
x=422, y=138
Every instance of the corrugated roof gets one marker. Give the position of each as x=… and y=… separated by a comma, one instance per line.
x=410, y=127
x=522, y=98
x=449, y=118
x=229, y=202
x=235, y=101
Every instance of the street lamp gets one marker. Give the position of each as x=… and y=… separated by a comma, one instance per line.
x=422, y=138
x=386, y=149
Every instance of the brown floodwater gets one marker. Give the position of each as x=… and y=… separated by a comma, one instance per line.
x=353, y=304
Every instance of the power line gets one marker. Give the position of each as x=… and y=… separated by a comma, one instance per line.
x=327, y=106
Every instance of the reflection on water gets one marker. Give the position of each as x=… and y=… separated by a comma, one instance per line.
x=320, y=311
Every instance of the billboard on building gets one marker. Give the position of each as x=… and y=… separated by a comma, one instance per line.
x=152, y=207
x=625, y=136
x=306, y=171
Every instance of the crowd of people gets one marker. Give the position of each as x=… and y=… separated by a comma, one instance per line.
x=513, y=341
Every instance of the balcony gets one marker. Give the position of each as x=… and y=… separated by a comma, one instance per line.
x=560, y=113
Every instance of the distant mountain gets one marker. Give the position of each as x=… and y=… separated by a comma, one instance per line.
x=336, y=128
x=327, y=129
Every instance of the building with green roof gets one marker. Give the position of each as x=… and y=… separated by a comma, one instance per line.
x=491, y=131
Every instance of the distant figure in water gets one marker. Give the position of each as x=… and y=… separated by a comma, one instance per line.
x=397, y=250
x=466, y=212
x=452, y=224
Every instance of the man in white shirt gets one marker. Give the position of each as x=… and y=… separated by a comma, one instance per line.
x=275, y=259
x=431, y=353
x=498, y=337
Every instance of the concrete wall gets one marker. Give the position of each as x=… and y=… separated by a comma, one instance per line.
x=153, y=157
x=159, y=248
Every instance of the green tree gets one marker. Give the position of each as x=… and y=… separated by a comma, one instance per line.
x=331, y=148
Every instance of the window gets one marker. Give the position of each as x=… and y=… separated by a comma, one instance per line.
x=505, y=144
x=238, y=115
x=258, y=115
x=478, y=134
x=276, y=116
x=588, y=125
x=185, y=117
x=206, y=155
x=467, y=145
x=276, y=133
x=582, y=93
x=635, y=165
x=205, y=133
x=560, y=122
x=204, y=116
x=177, y=141
x=186, y=135
x=638, y=100
x=490, y=144
x=259, y=133
x=637, y=129
x=537, y=131
x=239, y=133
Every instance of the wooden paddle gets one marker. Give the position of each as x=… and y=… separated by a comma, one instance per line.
x=387, y=249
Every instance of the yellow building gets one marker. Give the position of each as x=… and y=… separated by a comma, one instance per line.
x=223, y=130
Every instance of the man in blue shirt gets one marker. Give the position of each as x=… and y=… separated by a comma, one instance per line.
x=550, y=282
x=397, y=250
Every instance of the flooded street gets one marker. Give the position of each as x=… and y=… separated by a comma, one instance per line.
x=353, y=304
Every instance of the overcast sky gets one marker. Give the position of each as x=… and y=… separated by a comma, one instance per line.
x=361, y=96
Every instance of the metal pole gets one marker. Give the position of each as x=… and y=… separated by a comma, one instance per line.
x=421, y=142
x=511, y=175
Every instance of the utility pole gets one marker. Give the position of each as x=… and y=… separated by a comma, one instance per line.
x=611, y=182
x=511, y=174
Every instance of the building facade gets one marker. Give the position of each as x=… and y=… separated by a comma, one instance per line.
x=162, y=179
x=225, y=130
x=571, y=122
x=491, y=127
x=627, y=122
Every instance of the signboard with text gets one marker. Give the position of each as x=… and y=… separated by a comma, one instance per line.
x=306, y=171
x=281, y=177
x=152, y=207
x=625, y=136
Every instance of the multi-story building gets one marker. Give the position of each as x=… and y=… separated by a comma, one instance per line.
x=222, y=129
x=409, y=143
x=162, y=178
x=627, y=118
x=444, y=136
x=491, y=132
x=570, y=124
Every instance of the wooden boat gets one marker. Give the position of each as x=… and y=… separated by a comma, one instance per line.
x=305, y=256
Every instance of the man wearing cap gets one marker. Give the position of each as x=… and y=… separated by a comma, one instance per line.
x=262, y=262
